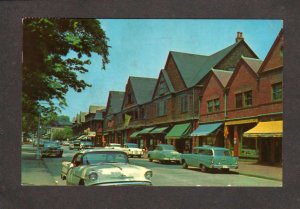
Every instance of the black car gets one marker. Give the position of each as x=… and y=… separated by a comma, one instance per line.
x=51, y=148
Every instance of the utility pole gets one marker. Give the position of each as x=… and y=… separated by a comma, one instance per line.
x=38, y=151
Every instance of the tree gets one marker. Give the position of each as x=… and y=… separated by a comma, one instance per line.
x=63, y=134
x=48, y=73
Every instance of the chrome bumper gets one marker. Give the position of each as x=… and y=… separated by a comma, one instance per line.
x=127, y=183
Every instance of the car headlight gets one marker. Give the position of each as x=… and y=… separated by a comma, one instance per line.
x=148, y=175
x=93, y=176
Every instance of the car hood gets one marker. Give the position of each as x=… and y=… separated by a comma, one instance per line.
x=135, y=149
x=115, y=172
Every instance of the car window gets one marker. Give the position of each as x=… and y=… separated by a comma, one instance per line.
x=104, y=157
x=222, y=153
x=132, y=145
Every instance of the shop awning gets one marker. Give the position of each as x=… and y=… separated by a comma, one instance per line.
x=159, y=130
x=206, y=129
x=81, y=137
x=134, y=135
x=179, y=131
x=266, y=129
x=146, y=130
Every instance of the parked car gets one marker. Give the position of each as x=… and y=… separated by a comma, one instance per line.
x=132, y=150
x=51, y=148
x=164, y=153
x=104, y=167
x=114, y=146
x=86, y=145
x=209, y=157
x=74, y=145
x=65, y=143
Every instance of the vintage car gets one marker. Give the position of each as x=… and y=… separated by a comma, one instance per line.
x=104, y=167
x=114, y=146
x=74, y=145
x=51, y=148
x=209, y=157
x=164, y=153
x=132, y=150
x=86, y=145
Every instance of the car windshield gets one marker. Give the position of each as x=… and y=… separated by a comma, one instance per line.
x=51, y=144
x=222, y=153
x=86, y=142
x=132, y=145
x=167, y=147
x=104, y=157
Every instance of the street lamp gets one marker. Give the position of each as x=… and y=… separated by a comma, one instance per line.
x=38, y=151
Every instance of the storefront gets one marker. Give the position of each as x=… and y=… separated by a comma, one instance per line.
x=179, y=136
x=269, y=137
x=158, y=135
x=209, y=134
x=234, y=140
x=145, y=138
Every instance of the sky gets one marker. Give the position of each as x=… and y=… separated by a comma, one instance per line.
x=140, y=47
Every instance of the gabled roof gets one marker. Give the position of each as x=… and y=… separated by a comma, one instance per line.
x=99, y=115
x=82, y=116
x=115, y=101
x=269, y=55
x=223, y=76
x=143, y=88
x=254, y=65
x=94, y=108
x=168, y=81
x=193, y=67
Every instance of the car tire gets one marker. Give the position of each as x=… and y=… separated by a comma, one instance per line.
x=162, y=161
x=150, y=160
x=203, y=168
x=184, y=165
x=225, y=170
x=140, y=156
x=81, y=182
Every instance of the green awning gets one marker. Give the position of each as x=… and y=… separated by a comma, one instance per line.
x=146, y=130
x=158, y=130
x=179, y=131
x=206, y=129
x=134, y=135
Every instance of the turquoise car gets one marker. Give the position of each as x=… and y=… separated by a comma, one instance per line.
x=164, y=153
x=209, y=157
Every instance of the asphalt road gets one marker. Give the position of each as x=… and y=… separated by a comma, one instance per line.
x=167, y=174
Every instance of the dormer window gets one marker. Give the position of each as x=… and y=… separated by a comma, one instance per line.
x=162, y=87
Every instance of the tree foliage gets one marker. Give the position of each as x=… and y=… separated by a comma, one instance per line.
x=48, y=73
x=63, y=134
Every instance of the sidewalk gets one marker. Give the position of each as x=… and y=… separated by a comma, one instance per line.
x=252, y=168
x=34, y=172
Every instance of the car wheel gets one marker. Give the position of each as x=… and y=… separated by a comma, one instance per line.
x=150, y=160
x=203, y=168
x=81, y=182
x=140, y=156
x=162, y=161
x=226, y=170
x=184, y=165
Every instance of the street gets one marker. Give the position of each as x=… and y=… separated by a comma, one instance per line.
x=47, y=172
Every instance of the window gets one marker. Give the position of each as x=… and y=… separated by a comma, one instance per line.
x=161, y=108
x=277, y=92
x=239, y=100
x=217, y=105
x=162, y=87
x=183, y=103
x=210, y=104
x=248, y=98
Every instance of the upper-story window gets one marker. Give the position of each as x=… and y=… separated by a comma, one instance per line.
x=213, y=105
x=162, y=87
x=277, y=92
x=183, y=103
x=243, y=99
x=161, y=108
x=248, y=98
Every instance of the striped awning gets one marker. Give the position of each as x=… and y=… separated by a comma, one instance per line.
x=134, y=135
x=159, y=130
x=146, y=130
x=206, y=129
x=179, y=131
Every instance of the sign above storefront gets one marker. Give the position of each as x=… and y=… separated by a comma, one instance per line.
x=236, y=122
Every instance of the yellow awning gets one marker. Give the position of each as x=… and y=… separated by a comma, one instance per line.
x=266, y=129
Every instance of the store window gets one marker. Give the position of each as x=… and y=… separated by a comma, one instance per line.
x=277, y=92
x=239, y=100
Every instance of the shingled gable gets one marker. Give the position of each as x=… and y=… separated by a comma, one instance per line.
x=142, y=88
x=253, y=67
x=114, y=102
x=278, y=43
x=94, y=108
x=223, y=76
x=193, y=67
x=163, y=75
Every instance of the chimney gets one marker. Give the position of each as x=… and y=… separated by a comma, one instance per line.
x=239, y=37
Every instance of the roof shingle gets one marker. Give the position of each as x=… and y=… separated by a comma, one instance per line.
x=143, y=88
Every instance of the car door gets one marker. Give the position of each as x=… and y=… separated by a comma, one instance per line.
x=193, y=158
x=73, y=175
x=156, y=153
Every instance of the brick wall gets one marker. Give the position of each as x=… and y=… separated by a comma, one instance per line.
x=274, y=58
x=174, y=75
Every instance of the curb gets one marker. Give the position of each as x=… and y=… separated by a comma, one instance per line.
x=260, y=176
